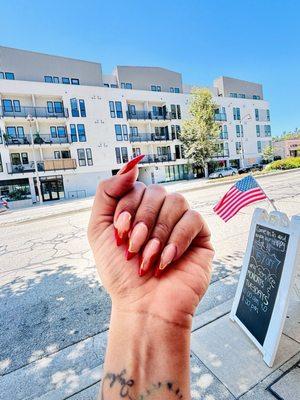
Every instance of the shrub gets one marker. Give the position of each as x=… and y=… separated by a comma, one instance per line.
x=286, y=163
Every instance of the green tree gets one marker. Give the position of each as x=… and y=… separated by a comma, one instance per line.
x=268, y=153
x=200, y=132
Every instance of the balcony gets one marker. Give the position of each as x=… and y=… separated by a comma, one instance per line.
x=156, y=158
x=221, y=154
x=43, y=166
x=145, y=115
x=36, y=112
x=220, y=117
x=149, y=137
x=37, y=139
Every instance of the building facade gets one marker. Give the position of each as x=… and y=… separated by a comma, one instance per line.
x=64, y=125
x=287, y=148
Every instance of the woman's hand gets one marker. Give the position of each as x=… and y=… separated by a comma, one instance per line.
x=164, y=269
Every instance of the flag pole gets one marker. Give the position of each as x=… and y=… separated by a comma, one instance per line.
x=270, y=200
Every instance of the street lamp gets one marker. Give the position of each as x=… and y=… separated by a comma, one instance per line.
x=30, y=119
x=245, y=117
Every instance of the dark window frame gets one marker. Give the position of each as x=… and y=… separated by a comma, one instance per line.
x=89, y=156
x=81, y=160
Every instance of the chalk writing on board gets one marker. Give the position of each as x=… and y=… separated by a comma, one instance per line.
x=262, y=280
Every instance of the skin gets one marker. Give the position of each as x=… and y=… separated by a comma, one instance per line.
x=149, y=342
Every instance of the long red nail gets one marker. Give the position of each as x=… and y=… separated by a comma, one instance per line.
x=131, y=164
x=129, y=255
x=142, y=272
x=119, y=240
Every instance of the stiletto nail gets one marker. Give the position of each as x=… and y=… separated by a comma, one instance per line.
x=119, y=240
x=138, y=235
x=129, y=255
x=127, y=167
x=150, y=253
x=166, y=258
x=122, y=225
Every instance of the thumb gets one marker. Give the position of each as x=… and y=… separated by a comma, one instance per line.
x=109, y=192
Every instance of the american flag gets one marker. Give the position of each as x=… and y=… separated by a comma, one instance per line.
x=244, y=192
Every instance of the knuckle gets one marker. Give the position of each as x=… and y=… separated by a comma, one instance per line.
x=140, y=185
x=177, y=199
x=157, y=188
x=182, y=232
x=162, y=229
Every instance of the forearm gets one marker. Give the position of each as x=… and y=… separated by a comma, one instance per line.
x=146, y=359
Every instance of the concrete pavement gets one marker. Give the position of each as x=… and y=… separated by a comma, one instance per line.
x=54, y=313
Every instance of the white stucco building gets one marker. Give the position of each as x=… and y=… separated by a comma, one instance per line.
x=66, y=125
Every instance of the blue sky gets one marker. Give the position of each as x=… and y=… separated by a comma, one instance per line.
x=256, y=40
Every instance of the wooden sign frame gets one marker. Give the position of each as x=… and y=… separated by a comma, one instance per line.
x=280, y=222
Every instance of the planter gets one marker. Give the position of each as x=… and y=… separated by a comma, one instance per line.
x=19, y=204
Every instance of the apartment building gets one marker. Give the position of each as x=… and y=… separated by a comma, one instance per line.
x=64, y=125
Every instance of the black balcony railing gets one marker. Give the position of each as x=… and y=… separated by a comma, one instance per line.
x=220, y=117
x=43, y=166
x=148, y=115
x=37, y=139
x=36, y=112
x=157, y=158
x=150, y=137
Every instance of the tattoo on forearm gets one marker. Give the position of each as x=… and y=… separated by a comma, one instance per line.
x=120, y=384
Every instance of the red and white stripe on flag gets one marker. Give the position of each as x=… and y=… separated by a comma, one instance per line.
x=244, y=192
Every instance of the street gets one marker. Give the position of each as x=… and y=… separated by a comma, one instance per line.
x=54, y=314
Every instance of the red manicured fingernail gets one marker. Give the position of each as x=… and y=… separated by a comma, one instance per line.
x=142, y=272
x=131, y=164
x=129, y=255
x=119, y=240
x=157, y=272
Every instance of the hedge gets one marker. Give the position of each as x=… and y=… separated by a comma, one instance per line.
x=286, y=163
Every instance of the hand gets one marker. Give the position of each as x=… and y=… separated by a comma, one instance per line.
x=165, y=233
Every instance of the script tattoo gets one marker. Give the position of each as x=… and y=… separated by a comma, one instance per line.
x=120, y=383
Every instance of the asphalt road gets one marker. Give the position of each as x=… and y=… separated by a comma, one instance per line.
x=50, y=296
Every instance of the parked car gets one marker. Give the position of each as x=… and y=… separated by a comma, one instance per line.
x=221, y=172
x=249, y=168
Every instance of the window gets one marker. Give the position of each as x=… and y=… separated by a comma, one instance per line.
x=15, y=158
x=48, y=79
x=125, y=132
x=9, y=75
x=74, y=107
x=124, y=153
x=11, y=131
x=224, y=132
x=118, y=155
x=58, y=106
x=126, y=85
x=81, y=157
x=1, y=139
x=178, y=131
x=57, y=155
x=112, y=109
x=173, y=111
x=66, y=81
x=178, y=112
x=268, y=115
x=176, y=90
x=17, y=105
x=256, y=97
x=155, y=88
x=1, y=165
x=131, y=109
x=24, y=157
x=118, y=131
x=238, y=147
x=239, y=130
x=61, y=131
x=171, y=89
x=89, y=156
x=119, y=111
x=73, y=132
x=233, y=94
x=75, y=81
x=1, y=75
x=50, y=107
x=134, y=131
x=7, y=105
x=53, y=132
x=258, y=130
x=20, y=132
x=106, y=84
x=236, y=113
x=82, y=108
x=267, y=130
x=259, y=146
x=241, y=96
x=256, y=114
x=113, y=85
x=81, y=132
x=55, y=79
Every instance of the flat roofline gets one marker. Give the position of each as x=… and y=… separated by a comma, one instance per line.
x=237, y=79
x=146, y=66
x=50, y=55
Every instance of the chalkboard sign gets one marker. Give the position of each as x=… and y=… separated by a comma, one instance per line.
x=266, y=279
x=262, y=280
